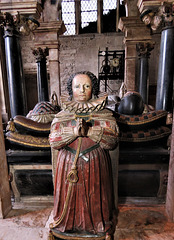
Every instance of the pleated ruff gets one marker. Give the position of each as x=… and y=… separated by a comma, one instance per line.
x=91, y=204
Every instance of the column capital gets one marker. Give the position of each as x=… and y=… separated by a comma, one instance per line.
x=40, y=53
x=156, y=17
x=7, y=22
x=144, y=48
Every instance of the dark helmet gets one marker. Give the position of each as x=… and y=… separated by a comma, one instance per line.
x=131, y=104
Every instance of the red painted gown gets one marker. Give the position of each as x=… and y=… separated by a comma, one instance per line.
x=91, y=203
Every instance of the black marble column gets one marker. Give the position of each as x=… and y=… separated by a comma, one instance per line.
x=144, y=54
x=165, y=70
x=143, y=78
x=16, y=81
x=42, y=82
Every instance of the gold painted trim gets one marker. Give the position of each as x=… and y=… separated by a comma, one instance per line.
x=83, y=116
x=31, y=127
x=28, y=144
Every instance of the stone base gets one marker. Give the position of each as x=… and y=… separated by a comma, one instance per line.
x=75, y=236
x=143, y=172
x=31, y=173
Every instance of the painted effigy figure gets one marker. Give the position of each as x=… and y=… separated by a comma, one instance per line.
x=84, y=132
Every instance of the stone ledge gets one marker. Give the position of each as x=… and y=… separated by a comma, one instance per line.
x=30, y=7
x=53, y=26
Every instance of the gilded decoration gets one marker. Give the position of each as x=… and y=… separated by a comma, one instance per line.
x=28, y=140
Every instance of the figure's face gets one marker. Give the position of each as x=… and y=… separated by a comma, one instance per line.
x=147, y=19
x=82, y=88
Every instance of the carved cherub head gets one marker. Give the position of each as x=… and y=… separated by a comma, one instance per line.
x=147, y=16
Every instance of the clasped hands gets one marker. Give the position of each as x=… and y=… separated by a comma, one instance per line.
x=81, y=128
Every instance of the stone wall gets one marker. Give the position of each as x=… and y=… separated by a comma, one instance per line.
x=80, y=53
x=30, y=70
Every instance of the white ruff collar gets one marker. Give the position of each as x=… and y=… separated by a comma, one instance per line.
x=93, y=105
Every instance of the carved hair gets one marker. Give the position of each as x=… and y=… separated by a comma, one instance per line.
x=94, y=80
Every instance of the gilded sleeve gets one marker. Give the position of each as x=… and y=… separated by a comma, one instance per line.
x=61, y=134
x=105, y=132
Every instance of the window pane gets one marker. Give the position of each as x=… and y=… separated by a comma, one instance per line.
x=68, y=16
x=70, y=29
x=108, y=5
x=88, y=12
x=109, y=15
